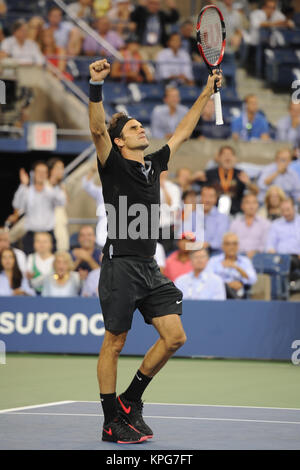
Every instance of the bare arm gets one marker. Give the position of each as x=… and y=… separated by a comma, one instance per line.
x=99, y=71
x=190, y=120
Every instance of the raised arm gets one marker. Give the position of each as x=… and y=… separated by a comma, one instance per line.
x=188, y=123
x=99, y=71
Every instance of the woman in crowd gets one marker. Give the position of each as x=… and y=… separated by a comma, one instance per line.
x=271, y=209
x=54, y=55
x=40, y=263
x=12, y=281
x=64, y=282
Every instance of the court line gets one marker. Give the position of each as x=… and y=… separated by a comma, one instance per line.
x=161, y=417
x=28, y=407
x=203, y=405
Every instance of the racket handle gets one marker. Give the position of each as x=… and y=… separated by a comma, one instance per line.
x=218, y=109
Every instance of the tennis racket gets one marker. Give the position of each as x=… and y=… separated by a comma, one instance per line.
x=211, y=40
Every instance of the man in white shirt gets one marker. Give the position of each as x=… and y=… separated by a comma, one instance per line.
x=201, y=284
x=174, y=64
x=267, y=17
x=17, y=46
x=37, y=201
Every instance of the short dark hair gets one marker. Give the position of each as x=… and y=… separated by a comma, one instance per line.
x=226, y=147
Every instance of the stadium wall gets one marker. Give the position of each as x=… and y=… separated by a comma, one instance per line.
x=231, y=329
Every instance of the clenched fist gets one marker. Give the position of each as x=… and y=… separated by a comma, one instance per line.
x=99, y=70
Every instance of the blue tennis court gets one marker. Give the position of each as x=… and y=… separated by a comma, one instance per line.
x=76, y=425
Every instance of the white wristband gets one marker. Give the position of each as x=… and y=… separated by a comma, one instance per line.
x=96, y=83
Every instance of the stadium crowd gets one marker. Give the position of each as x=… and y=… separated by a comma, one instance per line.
x=242, y=215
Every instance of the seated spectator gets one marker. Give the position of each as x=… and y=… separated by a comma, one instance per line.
x=150, y=23
x=170, y=199
x=295, y=165
x=37, y=201
x=40, y=263
x=96, y=193
x=133, y=69
x=179, y=262
x=54, y=55
x=66, y=35
x=82, y=9
x=250, y=228
x=200, y=284
x=64, y=282
x=283, y=237
x=188, y=40
x=251, y=124
x=56, y=168
x=87, y=255
x=183, y=179
x=215, y=223
x=234, y=24
x=173, y=64
x=280, y=174
x=206, y=127
x=103, y=27
x=90, y=286
x=19, y=47
x=5, y=244
x=288, y=127
x=230, y=183
x=236, y=270
x=119, y=16
x=272, y=207
x=166, y=117
x=12, y=281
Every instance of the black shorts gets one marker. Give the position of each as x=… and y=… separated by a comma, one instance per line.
x=128, y=283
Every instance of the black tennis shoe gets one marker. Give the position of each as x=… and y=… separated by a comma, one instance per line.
x=121, y=432
x=132, y=412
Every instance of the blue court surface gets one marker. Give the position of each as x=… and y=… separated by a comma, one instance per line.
x=77, y=425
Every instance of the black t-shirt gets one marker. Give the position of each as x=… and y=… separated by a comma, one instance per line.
x=131, y=194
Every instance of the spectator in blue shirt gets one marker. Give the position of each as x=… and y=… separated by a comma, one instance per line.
x=284, y=236
x=166, y=117
x=216, y=224
x=280, y=174
x=201, y=284
x=237, y=271
x=251, y=124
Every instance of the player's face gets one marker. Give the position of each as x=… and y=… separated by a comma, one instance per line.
x=134, y=136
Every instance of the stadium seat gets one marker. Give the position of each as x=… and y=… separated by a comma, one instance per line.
x=278, y=267
x=153, y=92
x=116, y=93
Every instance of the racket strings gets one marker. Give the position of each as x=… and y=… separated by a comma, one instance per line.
x=211, y=36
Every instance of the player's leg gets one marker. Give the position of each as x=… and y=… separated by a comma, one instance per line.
x=172, y=337
x=115, y=429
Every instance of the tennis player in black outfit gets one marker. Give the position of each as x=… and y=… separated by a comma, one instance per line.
x=130, y=277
